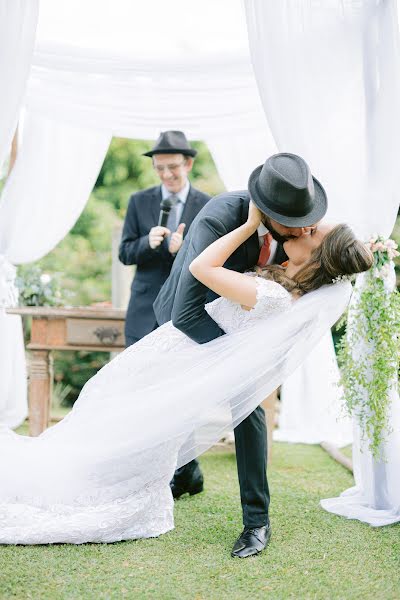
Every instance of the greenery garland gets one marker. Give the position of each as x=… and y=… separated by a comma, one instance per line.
x=375, y=325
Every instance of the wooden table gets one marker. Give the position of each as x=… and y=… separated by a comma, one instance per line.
x=94, y=329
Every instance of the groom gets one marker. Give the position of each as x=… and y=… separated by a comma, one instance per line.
x=292, y=202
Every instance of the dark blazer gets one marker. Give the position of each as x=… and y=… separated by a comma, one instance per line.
x=152, y=266
x=182, y=297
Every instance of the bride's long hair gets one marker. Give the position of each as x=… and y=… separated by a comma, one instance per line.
x=340, y=253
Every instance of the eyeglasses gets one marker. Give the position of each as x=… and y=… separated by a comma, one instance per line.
x=173, y=167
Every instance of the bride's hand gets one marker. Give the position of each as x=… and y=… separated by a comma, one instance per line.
x=255, y=215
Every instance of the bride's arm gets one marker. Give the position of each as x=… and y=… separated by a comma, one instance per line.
x=207, y=267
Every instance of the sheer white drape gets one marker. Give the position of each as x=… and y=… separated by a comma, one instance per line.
x=88, y=83
x=18, y=20
x=328, y=75
x=311, y=408
x=49, y=186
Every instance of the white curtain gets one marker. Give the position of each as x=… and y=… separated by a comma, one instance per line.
x=100, y=77
x=328, y=76
x=18, y=20
x=55, y=172
x=311, y=407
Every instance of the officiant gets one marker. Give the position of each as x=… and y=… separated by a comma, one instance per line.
x=149, y=246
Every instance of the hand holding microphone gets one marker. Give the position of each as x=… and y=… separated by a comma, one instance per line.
x=158, y=233
x=156, y=236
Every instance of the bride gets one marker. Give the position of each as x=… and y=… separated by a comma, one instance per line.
x=102, y=474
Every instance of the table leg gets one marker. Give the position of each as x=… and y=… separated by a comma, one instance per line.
x=39, y=391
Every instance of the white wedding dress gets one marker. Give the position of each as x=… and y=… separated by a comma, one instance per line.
x=102, y=474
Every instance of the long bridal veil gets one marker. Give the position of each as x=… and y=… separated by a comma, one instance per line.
x=179, y=401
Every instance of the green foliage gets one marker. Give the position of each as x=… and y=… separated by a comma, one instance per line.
x=37, y=288
x=125, y=170
x=368, y=375
x=74, y=369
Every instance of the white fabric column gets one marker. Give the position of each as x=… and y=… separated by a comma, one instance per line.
x=312, y=408
x=18, y=20
x=47, y=190
x=328, y=75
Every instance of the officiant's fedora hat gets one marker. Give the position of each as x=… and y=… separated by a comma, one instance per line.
x=284, y=189
x=172, y=142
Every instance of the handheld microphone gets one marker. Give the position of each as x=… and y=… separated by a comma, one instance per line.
x=165, y=209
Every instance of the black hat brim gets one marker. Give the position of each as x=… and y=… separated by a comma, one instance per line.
x=317, y=213
x=185, y=151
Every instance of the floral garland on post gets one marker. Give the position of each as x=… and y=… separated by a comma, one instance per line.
x=368, y=353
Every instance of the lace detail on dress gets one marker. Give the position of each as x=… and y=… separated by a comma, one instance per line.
x=271, y=298
x=81, y=481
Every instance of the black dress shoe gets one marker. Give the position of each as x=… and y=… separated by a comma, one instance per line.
x=187, y=480
x=251, y=541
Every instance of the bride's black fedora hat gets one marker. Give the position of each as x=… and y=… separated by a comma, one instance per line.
x=284, y=189
x=171, y=142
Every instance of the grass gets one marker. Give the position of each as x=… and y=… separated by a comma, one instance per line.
x=312, y=555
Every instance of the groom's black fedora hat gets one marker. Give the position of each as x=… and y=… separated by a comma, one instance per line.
x=172, y=142
x=284, y=189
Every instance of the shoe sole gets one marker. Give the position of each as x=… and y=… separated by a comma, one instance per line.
x=192, y=492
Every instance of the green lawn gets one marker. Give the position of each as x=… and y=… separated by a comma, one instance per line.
x=312, y=554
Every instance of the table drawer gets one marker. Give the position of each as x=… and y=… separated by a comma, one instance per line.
x=92, y=332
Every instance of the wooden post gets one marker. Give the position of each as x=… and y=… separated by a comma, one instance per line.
x=122, y=275
x=14, y=152
x=39, y=391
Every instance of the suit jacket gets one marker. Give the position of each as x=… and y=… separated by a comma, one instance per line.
x=152, y=267
x=182, y=298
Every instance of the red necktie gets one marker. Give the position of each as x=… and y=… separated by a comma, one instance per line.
x=265, y=250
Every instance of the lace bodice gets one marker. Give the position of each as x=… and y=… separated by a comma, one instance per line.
x=230, y=316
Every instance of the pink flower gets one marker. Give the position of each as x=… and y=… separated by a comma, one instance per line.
x=391, y=244
x=378, y=247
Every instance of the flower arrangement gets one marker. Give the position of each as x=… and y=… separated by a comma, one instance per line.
x=37, y=288
x=368, y=353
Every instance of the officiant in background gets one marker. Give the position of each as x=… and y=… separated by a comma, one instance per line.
x=152, y=247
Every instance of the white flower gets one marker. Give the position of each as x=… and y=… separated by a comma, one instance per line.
x=45, y=278
x=374, y=238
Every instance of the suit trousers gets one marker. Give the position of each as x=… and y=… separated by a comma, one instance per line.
x=251, y=459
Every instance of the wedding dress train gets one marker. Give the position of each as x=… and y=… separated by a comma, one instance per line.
x=102, y=474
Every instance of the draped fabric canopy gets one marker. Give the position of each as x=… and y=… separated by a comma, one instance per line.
x=327, y=75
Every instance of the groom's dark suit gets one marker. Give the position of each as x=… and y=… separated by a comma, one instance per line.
x=182, y=299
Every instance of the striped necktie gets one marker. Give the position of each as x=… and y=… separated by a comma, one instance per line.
x=172, y=223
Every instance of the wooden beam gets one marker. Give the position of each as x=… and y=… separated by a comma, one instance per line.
x=335, y=453
x=14, y=152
